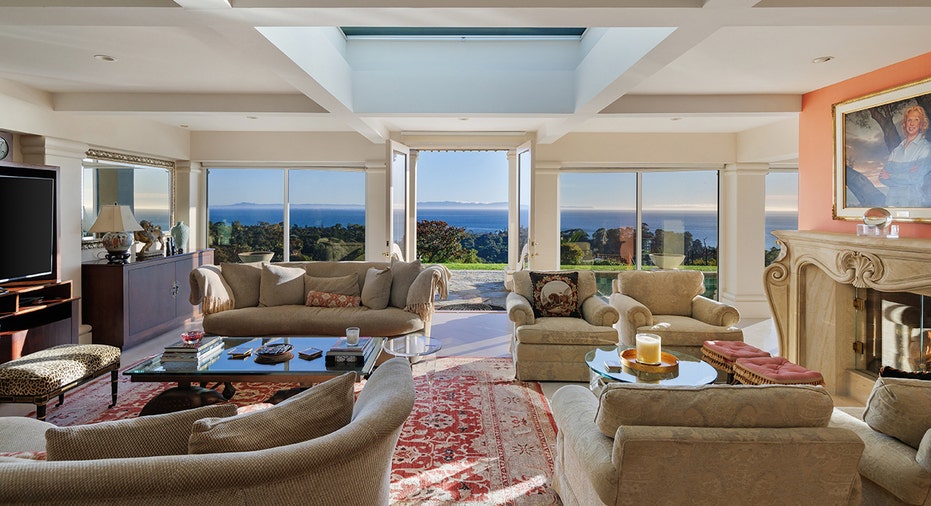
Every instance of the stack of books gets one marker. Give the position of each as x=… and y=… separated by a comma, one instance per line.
x=343, y=353
x=192, y=355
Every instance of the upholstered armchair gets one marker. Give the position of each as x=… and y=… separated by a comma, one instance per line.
x=558, y=318
x=670, y=305
x=713, y=444
x=895, y=426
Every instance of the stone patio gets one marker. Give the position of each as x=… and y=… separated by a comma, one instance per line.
x=475, y=290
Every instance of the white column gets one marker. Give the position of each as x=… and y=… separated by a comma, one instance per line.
x=743, y=238
x=544, y=233
x=69, y=157
x=190, y=201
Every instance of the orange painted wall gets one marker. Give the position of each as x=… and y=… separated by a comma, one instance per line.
x=816, y=149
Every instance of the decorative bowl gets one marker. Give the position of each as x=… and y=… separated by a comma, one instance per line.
x=256, y=256
x=192, y=336
x=666, y=261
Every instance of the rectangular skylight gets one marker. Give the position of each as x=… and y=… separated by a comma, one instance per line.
x=492, y=33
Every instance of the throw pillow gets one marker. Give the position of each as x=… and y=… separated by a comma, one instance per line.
x=555, y=294
x=345, y=285
x=281, y=285
x=243, y=280
x=327, y=299
x=310, y=414
x=900, y=408
x=376, y=290
x=402, y=275
x=145, y=436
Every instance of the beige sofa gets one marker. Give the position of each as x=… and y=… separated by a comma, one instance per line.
x=261, y=299
x=895, y=425
x=553, y=348
x=349, y=466
x=714, y=444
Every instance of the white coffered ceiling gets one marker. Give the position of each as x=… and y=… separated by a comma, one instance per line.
x=283, y=65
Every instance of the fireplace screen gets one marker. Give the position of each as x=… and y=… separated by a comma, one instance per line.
x=894, y=329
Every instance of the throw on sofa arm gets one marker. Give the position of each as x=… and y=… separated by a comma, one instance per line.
x=209, y=289
x=432, y=279
x=713, y=312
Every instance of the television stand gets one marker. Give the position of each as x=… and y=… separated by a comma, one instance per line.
x=34, y=317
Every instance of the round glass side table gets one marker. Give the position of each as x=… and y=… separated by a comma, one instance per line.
x=418, y=349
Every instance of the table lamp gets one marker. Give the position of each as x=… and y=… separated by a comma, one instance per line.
x=117, y=223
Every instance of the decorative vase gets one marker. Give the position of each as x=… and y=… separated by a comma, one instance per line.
x=179, y=234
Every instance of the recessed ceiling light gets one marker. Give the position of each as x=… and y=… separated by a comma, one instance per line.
x=104, y=57
x=822, y=59
x=674, y=119
x=252, y=117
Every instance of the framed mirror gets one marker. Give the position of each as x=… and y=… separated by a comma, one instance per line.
x=143, y=184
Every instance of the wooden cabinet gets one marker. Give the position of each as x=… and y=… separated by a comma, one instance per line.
x=127, y=304
x=35, y=317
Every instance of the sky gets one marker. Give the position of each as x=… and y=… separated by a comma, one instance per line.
x=481, y=176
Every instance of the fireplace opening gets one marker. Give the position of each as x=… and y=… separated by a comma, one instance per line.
x=894, y=329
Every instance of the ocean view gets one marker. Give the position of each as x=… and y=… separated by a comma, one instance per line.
x=483, y=219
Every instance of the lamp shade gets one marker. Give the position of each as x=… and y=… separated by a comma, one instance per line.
x=115, y=218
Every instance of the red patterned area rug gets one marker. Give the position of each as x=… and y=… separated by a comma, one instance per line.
x=485, y=439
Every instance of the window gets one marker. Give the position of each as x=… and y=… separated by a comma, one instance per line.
x=324, y=210
x=678, y=223
x=781, y=208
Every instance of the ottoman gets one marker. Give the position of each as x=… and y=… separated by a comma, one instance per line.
x=38, y=377
x=722, y=355
x=774, y=371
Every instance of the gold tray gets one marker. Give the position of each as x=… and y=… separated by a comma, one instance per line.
x=668, y=363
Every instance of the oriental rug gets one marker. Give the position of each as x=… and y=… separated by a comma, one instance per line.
x=477, y=437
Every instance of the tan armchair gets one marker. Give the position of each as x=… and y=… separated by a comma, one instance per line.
x=551, y=348
x=714, y=444
x=670, y=305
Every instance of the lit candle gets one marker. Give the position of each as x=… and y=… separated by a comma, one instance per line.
x=648, y=348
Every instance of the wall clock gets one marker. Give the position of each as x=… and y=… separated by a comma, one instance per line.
x=6, y=146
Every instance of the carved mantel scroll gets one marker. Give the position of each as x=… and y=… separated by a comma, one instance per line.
x=889, y=265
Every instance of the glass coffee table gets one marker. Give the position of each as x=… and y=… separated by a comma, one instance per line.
x=692, y=371
x=226, y=369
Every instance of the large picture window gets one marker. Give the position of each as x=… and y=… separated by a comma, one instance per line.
x=319, y=214
x=673, y=224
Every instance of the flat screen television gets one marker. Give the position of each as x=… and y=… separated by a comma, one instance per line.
x=28, y=223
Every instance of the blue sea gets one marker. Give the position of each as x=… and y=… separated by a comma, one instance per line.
x=702, y=225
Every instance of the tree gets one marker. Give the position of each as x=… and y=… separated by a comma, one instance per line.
x=438, y=241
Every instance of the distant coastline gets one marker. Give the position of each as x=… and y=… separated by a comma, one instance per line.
x=490, y=218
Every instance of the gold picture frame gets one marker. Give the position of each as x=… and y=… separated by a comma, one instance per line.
x=874, y=166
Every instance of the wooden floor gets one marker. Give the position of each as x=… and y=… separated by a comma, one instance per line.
x=463, y=333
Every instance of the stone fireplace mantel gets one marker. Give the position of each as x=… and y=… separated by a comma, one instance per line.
x=811, y=290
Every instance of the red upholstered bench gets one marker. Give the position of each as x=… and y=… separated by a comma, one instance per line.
x=774, y=371
x=722, y=355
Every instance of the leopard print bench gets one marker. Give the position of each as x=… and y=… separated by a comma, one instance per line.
x=38, y=377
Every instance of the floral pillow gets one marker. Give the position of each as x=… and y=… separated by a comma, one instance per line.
x=327, y=299
x=555, y=294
